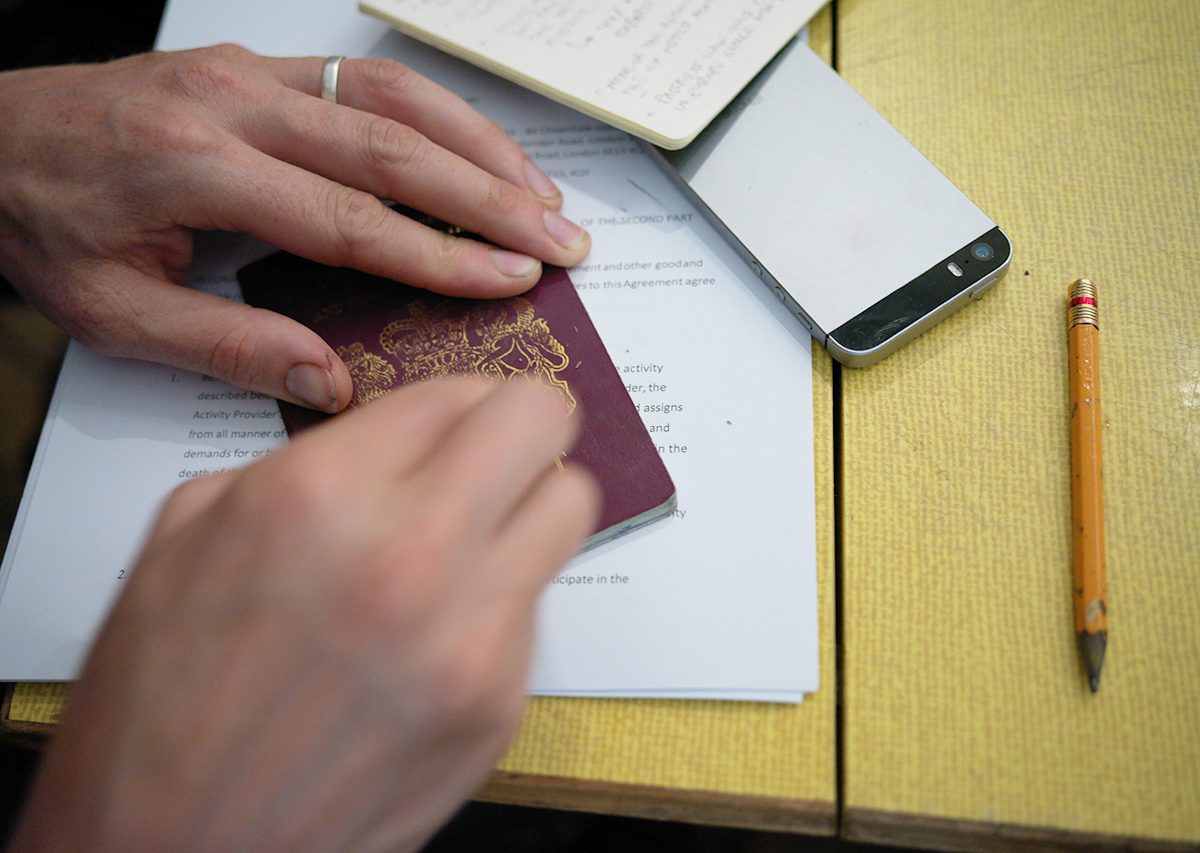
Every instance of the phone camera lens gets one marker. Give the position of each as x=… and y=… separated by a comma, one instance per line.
x=982, y=252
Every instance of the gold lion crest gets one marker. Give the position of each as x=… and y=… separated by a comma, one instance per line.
x=497, y=340
x=371, y=374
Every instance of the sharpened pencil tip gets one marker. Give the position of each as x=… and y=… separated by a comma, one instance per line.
x=1092, y=646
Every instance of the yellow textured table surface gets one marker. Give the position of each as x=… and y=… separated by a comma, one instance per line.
x=38, y=703
x=1076, y=126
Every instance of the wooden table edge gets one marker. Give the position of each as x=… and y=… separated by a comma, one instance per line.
x=19, y=732
x=713, y=808
x=896, y=829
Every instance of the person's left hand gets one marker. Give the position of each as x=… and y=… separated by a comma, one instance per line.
x=106, y=169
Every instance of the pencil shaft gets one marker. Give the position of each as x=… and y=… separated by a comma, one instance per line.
x=1087, y=493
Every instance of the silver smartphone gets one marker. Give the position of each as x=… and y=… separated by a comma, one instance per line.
x=860, y=236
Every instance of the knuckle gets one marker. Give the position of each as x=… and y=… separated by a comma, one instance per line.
x=295, y=491
x=424, y=556
x=357, y=220
x=208, y=75
x=233, y=357
x=486, y=135
x=451, y=259
x=229, y=52
x=172, y=130
x=399, y=589
x=103, y=318
x=431, y=547
x=502, y=199
x=393, y=145
x=384, y=76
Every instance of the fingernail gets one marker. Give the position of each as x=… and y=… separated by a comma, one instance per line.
x=538, y=182
x=514, y=264
x=314, y=385
x=565, y=232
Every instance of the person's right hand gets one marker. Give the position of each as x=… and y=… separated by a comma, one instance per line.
x=105, y=170
x=326, y=650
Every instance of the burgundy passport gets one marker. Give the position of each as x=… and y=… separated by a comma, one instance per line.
x=389, y=335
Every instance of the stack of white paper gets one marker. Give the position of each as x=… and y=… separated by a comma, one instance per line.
x=719, y=601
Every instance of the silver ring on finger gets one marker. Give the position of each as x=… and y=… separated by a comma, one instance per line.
x=329, y=78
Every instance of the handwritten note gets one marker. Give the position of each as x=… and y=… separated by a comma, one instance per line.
x=660, y=69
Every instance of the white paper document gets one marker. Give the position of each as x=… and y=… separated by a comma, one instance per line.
x=718, y=601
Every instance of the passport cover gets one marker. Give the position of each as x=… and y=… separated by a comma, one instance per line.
x=389, y=334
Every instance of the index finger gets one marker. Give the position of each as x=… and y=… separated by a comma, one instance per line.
x=487, y=465
x=401, y=429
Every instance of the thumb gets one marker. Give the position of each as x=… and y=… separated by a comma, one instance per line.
x=248, y=347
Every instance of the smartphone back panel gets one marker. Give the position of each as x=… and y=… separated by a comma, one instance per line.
x=836, y=210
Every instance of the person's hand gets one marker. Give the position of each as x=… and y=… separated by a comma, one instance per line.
x=328, y=649
x=106, y=169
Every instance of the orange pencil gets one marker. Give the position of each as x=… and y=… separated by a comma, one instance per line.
x=1087, y=481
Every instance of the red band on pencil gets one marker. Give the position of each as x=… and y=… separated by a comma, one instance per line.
x=1083, y=300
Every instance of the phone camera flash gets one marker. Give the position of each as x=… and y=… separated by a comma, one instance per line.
x=954, y=268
